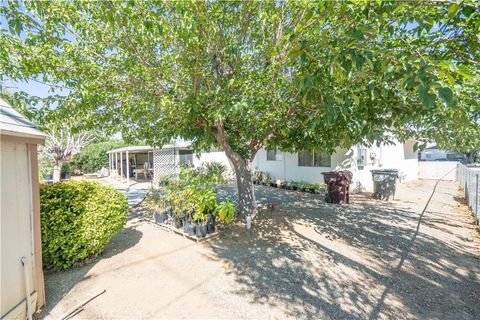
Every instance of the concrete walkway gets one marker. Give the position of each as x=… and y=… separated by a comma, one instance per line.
x=413, y=258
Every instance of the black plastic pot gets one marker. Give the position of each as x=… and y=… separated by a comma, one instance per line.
x=211, y=224
x=200, y=229
x=178, y=223
x=161, y=217
x=189, y=228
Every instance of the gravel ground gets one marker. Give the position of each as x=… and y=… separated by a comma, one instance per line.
x=307, y=259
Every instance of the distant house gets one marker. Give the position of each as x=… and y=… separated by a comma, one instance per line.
x=22, y=284
x=433, y=153
x=300, y=166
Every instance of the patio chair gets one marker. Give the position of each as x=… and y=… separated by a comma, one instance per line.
x=142, y=171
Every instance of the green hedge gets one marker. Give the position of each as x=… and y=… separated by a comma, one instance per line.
x=78, y=219
x=94, y=156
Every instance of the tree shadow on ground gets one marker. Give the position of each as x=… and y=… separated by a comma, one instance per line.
x=60, y=283
x=364, y=260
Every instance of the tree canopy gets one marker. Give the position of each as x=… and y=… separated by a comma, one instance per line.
x=247, y=74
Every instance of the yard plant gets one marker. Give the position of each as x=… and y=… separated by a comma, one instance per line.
x=78, y=218
x=242, y=75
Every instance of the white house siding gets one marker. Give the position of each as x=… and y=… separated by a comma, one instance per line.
x=398, y=156
x=212, y=156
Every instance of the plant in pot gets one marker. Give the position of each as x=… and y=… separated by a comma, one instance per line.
x=292, y=185
x=226, y=211
x=303, y=186
x=205, y=221
x=280, y=183
x=257, y=177
x=322, y=188
x=266, y=179
x=156, y=203
x=164, y=180
x=66, y=171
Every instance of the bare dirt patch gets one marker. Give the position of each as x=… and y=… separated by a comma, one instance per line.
x=366, y=260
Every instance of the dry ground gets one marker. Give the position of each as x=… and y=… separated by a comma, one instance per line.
x=366, y=260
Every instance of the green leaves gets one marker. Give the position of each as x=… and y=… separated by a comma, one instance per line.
x=287, y=74
x=446, y=96
x=78, y=218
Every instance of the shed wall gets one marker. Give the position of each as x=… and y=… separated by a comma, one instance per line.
x=17, y=228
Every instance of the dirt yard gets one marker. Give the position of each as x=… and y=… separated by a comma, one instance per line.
x=366, y=260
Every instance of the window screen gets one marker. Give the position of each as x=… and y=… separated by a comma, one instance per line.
x=313, y=159
x=273, y=155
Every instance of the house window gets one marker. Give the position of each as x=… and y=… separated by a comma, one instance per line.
x=185, y=157
x=428, y=155
x=313, y=159
x=361, y=158
x=273, y=155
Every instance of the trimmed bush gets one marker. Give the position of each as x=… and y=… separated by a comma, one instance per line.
x=94, y=157
x=78, y=219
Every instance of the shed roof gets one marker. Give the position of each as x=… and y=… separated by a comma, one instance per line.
x=14, y=124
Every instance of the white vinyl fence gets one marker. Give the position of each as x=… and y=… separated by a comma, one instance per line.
x=469, y=179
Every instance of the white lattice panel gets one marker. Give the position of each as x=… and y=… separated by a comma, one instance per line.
x=164, y=163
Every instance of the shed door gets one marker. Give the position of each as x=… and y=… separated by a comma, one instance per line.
x=16, y=226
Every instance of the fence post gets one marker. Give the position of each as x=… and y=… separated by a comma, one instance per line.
x=476, y=200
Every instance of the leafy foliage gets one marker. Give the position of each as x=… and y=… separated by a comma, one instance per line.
x=193, y=193
x=246, y=74
x=226, y=211
x=78, y=218
x=94, y=156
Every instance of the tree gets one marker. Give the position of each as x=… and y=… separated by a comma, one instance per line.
x=61, y=145
x=246, y=74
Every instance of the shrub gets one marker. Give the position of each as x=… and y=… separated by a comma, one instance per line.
x=78, y=218
x=94, y=157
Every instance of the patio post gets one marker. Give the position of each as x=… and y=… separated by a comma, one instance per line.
x=116, y=166
x=121, y=167
x=128, y=169
x=109, y=165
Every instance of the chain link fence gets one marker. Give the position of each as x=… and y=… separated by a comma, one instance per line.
x=469, y=179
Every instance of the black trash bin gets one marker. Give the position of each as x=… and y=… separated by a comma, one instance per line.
x=338, y=186
x=384, y=183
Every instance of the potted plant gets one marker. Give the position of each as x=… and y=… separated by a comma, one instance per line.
x=188, y=226
x=280, y=183
x=226, y=211
x=291, y=185
x=206, y=203
x=257, y=177
x=156, y=203
x=266, y=179
x=66, y=171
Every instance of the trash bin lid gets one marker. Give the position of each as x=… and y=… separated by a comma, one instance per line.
x=384, y=171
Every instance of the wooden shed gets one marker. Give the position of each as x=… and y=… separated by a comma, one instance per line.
x=22, y=284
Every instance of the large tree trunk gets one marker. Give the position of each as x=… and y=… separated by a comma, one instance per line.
x=471, y=156
x=57, y=170
x=243, y=175
x=244, y=184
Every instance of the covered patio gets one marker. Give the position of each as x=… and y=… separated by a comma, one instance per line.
x=146, y=163
x=131, y=162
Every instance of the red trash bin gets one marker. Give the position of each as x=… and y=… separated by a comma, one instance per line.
x=338, y=186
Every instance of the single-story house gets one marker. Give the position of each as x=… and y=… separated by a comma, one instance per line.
x=22, y=284
x=308, y=165
x=433, y=153
x=299, y=166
